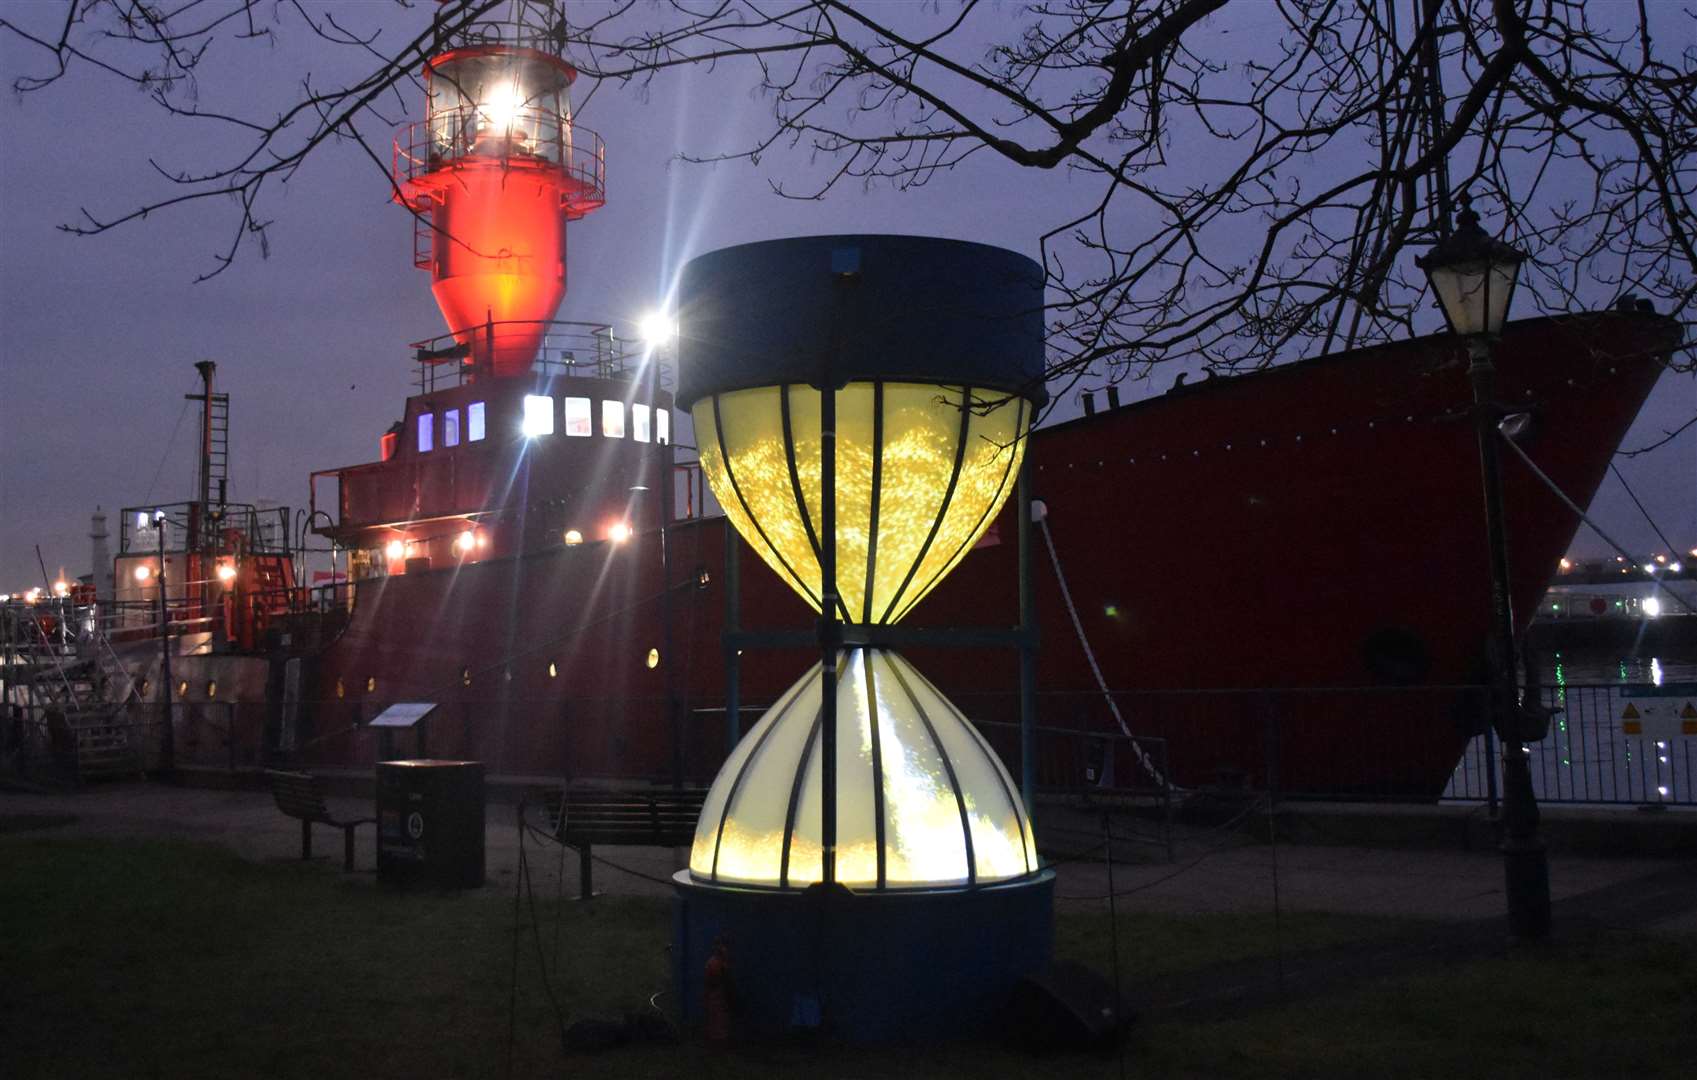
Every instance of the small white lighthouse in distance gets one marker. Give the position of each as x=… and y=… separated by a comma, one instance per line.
x=101, y=556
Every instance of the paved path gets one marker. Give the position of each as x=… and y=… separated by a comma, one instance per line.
x=1213, y=870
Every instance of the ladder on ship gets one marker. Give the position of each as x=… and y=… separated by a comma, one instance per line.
x=214, y=438
x=217, y=447
x=77, y=689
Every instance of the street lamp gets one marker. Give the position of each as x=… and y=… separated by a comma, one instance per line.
x=168, y=733
x=1474, y=276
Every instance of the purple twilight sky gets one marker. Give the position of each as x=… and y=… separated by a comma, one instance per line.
x=101, y=333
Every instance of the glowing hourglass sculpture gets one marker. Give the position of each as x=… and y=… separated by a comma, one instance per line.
x=860, y=405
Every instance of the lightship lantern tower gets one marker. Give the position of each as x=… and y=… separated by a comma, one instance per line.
x=861, y=404
x=493, y=174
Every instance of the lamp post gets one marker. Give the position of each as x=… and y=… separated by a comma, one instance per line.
x=1474, y=276
x=168, y=735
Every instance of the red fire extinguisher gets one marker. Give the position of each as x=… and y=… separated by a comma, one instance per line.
x=716, y=999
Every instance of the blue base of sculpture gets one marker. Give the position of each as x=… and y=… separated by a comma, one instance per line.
x=861, y=967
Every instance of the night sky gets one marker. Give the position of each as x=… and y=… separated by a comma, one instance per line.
x=100, y=334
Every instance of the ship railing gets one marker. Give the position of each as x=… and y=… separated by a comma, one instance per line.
x=519, y=26
x=129, y=621
x=566, y=349
x=523, y=138
x=254, y=529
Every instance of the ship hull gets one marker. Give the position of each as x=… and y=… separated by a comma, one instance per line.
x=1283, y=575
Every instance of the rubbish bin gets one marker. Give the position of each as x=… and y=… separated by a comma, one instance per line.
x=430, y=823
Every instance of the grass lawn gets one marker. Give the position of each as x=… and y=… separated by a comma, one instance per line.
x=142, y=958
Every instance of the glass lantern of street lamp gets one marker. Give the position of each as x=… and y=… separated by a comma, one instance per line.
x=1474, y=276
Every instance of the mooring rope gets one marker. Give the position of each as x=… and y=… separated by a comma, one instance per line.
x=1090, y=655
x=1598, y=529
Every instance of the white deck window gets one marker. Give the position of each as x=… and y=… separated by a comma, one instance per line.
x=426, y=432
x=613, y=419
x=579, y=423
x=474, y=422
x=451, y=428
x=639, y=422
x=664, y=430
x=538, y=415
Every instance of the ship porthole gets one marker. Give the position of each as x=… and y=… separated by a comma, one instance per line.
x=553, y=671
x=211, y=688
x=465, y=676
x=183, y=688
x=371, y=684
x=653, y=659
x=1396, y=656
x=341, y=691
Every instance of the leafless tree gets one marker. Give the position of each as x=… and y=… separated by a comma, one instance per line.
x=1260, y=174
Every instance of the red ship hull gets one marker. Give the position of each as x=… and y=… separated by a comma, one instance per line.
x=1282, y=574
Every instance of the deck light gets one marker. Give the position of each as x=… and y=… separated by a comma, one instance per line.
x=618, y=532
x=143, y=572
x=466, y=541
x=395, y=549
x=61, y=589
x=657, y=329
x=573, y=538
x=226, y=572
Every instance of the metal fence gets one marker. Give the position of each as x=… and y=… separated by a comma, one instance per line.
x=1414, y=744
x=1593, y=755
x=1406, y=744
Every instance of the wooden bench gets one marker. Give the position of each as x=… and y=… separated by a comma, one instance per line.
x=301, y=795
x=641, y=817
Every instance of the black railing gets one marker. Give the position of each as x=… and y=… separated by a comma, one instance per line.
x=1240, y=741
x=517, y=138
x=564, y=350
